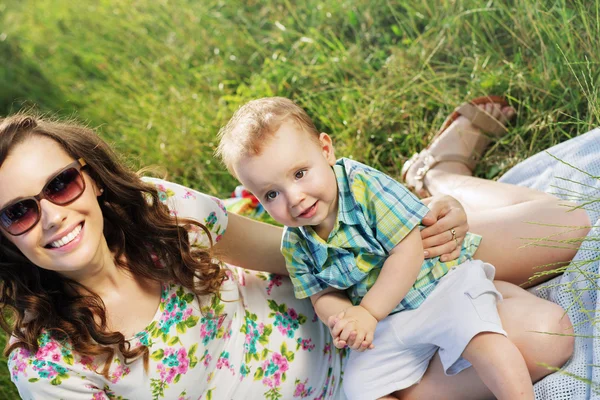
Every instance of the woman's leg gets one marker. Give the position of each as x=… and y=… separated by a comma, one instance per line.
x=524, y=231
x=523, y=316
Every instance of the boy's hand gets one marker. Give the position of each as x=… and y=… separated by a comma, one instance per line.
x=331, y=322
x=355, y=328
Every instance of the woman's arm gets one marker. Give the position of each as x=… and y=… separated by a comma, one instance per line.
x=251, y=244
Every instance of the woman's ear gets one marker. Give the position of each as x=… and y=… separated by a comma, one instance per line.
x=98, y=190
x=327, y=148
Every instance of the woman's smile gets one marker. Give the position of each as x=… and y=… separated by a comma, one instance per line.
x=67, y=241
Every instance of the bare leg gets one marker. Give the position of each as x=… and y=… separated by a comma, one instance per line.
x=523, y=315
x=509, y=218
x=500, y=366
x=524, y=231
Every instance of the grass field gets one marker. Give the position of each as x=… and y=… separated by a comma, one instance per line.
x=159, y=78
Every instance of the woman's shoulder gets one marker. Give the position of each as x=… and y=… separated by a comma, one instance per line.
x=184, y=202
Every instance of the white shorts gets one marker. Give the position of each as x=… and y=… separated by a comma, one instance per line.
x=462, y=305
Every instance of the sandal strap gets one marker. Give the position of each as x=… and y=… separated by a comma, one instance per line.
x=481, y=119
x=430, y=161
x=469, y=162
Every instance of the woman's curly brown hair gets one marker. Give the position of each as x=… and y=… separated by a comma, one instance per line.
x=137, y=226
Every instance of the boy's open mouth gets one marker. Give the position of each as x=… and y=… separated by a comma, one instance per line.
x=309, y=212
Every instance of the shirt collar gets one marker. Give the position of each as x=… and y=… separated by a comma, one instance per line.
x=348, y=209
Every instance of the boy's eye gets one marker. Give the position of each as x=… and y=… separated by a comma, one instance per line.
x=271, y=195
x=300, y=174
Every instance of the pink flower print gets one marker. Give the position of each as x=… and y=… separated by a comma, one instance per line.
x=268, y=382
x=327, y=350
x=19, y=366
x=223, y=362
x=206, y=358
x=274, y=369
x=292, y=313
x=299, y=390
x=45, y=350
x=228, y=330
x=174, y=363
x=189, y=195
x=86, y=360
x=302, y=390
x=220, y=204
x=229, y=274
x=118, y=373
x=305, y=344
x=274, y=280
x=281, y=362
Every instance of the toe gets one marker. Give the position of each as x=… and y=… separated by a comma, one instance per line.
x=508, y=112
x=498, y=111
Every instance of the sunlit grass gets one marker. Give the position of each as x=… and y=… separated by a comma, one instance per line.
x=160, y=78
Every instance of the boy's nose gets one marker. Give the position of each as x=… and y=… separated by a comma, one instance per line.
x=296, y=198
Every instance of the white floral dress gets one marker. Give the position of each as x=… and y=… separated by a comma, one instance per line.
x=257, y=342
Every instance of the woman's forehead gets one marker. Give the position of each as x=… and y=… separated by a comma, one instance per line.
x=28, y=166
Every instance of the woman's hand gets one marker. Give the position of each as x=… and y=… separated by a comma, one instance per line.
x=445, y=215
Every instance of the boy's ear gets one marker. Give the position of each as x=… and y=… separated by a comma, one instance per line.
x=327, y=148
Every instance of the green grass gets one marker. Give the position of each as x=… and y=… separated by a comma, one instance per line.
x=160, y=78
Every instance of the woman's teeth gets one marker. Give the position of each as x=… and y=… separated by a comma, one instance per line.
x=67, y=239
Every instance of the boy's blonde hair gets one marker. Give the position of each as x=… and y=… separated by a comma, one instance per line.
x=255, y=123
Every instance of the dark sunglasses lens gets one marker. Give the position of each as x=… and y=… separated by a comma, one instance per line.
x=65, y=187
x=19, y=217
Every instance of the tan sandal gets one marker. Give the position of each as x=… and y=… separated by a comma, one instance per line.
x=488, y=125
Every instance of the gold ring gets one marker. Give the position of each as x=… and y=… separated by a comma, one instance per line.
x=453, y=232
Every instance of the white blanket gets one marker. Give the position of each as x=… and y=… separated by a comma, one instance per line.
x=571, y=170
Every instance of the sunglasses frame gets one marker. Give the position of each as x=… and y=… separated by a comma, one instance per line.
x=79, y=164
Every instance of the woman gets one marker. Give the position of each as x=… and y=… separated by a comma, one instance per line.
x=97, y=259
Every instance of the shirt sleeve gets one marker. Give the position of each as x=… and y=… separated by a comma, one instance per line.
x=300, y=266
x=184, y=202
x=391, y=210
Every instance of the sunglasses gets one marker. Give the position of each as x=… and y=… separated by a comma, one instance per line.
x=63, y=188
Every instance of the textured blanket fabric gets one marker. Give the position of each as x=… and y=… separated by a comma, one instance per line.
x=571, y=170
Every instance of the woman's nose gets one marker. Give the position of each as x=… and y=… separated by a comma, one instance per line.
x=52, y=214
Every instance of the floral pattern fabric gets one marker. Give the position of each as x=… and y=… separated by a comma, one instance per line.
x=255, y=342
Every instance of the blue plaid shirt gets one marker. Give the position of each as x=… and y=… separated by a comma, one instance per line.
x=375, y=213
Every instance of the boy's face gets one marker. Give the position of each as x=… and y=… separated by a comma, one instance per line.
x=292, y=177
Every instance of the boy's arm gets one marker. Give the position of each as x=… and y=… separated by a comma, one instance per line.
x=329, y=303
x=399, y=273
